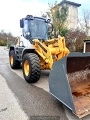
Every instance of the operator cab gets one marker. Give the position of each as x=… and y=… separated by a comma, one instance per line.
x=34, y=28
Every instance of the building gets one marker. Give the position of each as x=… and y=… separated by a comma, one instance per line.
x=72, y=19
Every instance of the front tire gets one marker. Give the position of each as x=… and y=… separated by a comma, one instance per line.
x=31, y=67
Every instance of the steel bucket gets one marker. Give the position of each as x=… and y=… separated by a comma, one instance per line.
x=69, y=82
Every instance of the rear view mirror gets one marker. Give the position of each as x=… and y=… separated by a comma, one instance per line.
x=21, y=23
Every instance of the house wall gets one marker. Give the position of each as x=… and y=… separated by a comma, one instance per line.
x=72, y=19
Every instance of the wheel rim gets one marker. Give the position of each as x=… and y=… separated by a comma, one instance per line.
x=11, y=60
x=26, y=68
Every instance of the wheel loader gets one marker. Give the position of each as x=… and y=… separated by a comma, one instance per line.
x=69, y=78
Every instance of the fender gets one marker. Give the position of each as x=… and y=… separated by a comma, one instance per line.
x=27, y=50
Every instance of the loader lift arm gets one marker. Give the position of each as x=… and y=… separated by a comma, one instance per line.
x=51, y=50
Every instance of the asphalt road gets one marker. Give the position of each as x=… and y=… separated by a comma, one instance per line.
x=22, y=101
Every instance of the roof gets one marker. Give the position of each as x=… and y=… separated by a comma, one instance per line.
x=69, y=2
x=86, y=40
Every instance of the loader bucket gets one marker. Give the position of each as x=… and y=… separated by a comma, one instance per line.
x=69, y=82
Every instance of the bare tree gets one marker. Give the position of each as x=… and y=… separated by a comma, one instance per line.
x=85, y=22
x=74, y=39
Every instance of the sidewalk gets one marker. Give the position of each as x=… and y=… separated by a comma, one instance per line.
x=9, y=106
x=5, y=47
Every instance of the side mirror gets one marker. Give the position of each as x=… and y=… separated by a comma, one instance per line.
x=21, y=23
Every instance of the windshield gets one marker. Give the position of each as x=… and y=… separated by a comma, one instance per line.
x=38, y=29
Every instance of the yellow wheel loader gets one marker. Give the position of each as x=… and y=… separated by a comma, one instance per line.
x=69, y=79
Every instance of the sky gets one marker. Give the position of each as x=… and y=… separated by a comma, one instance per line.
x=11, y=11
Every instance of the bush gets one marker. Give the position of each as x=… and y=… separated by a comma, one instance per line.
x=9, y=43
x=3, y=43
x=74, y=40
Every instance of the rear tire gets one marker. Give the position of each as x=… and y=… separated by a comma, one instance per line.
x=31, y=67
x=15, y=64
